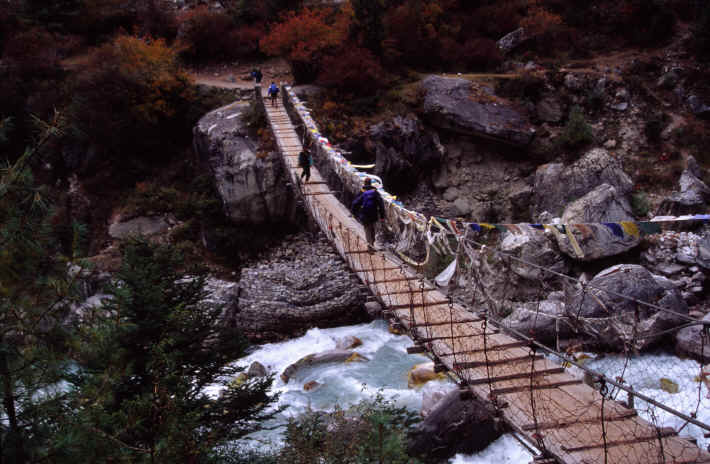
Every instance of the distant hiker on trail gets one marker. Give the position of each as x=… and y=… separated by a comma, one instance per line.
x=273, y=93
x=368, y=207
x=256, y=74
x=305, y=161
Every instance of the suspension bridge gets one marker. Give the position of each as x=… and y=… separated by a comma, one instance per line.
x=532, y=388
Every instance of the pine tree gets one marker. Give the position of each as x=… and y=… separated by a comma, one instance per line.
x=35, y=291
x=146, y=358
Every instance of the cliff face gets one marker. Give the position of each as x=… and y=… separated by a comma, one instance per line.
x=252, y=185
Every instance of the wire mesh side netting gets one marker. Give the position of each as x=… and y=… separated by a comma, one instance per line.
x=624, y=395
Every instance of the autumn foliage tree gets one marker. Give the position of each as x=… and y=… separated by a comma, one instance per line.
x=133, y=96
x=304, y=38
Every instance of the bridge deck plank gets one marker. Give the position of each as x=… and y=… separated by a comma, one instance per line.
x=562, y=404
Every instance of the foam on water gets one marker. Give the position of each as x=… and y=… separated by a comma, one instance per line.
x=644, y=373
x=505, y=450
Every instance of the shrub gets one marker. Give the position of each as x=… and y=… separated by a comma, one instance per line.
x=133, y=98
x=654, y=127
x=640, y=204
x=355, y=69
x=370, y=432
x=577, y=133
x=482, y=54
x=33, y=54
x=701, y=33
x=205, y=34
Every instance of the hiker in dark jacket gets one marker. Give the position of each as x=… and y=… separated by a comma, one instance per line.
x=305, y=161
x=369, y=207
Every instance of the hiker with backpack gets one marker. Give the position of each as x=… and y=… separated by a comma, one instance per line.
x=273, y=93
x=369, y=207
x=305, y=161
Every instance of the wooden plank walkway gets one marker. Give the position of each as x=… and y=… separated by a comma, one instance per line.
x=538, y=399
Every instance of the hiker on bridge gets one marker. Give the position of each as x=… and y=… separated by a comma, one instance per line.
x=257, y=75
x=369, y=207
x=305, y=161
x=273, y=93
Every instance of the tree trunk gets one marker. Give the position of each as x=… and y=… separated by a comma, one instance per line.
x=13, y=446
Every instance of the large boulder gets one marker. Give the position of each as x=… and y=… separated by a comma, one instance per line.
x=546, y=320
x=603, y=204
x=692, y=195
x=404, y=151
x=595, y=241
x=598, y=310
x=252, y=186
x=585, y=219
x=556, y=185
x=146, y=226
x=500, y=278
x=689, y=341
x=303, y=284
x=454, y=426
x=316, y=359
x=457, y=105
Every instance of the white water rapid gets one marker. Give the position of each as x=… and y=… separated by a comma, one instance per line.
x=345, y=384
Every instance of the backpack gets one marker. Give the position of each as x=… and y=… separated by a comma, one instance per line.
x=273, y=90
x=368, y=210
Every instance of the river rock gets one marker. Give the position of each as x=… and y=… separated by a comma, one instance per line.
x=252, y=188
x=404, y=151
x=256, y=369
x=146, y=226
x=610, y=319
x=301, y=284
x=431, y=399
x=595, y=241
x=689, y=341
x=454, y=426
x=310, y=386
x=556, y=185
x=347, y=343
x=698, y=106
x=324, y=357
x=692, y=195
x=546, y=320
x=454, y=104
x=421, y=374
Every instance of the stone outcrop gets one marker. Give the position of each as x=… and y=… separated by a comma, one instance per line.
x=512, y=40
x=603, y=204
x=556, y=185
x=141, y=226
x=457, y=105
x=454, y=426
x=501, y=278
x=689, y=342
x=610, y=319
x=595, y=241
x=692, y=195
x=252, y=185
x=324, y=357
x=404, y=151
x=302, y=284
x=681, y=258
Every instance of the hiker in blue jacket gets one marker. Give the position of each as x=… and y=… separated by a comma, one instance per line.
x=369, y=207
x=273, y=93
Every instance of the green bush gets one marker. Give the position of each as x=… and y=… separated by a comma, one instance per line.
x=640, y=204
x=370, y=432
x=577, y=133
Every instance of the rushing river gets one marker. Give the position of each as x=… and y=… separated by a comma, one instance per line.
x=345, y=384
